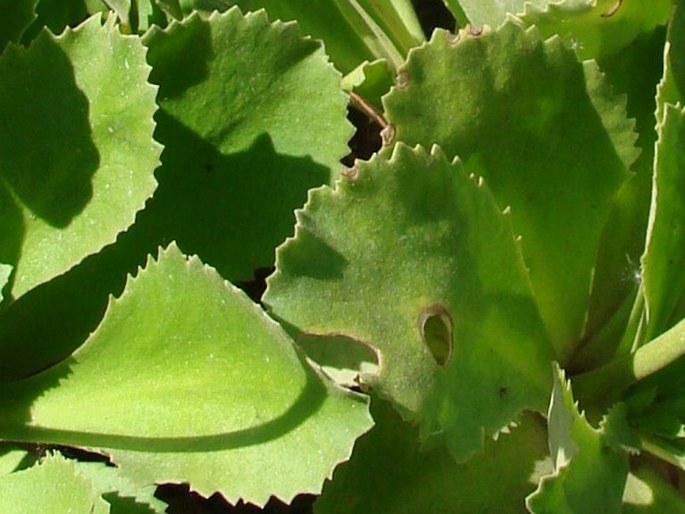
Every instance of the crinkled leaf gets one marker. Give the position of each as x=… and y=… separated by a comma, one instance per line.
x=412, y=256
x=51, y=487
x=517, y=111
x=662, y=273
x=185, y=380
x=588, y=470
x=597, y=28
x=76, y=151
x=252, y=116
x=390, y=472
x=646, y=491
x=123, y=496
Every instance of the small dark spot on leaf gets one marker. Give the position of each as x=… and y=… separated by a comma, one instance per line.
x=435, y=327
x=503, y=390
x=208, y=166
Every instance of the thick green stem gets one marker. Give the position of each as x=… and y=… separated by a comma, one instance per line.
x=604, y=386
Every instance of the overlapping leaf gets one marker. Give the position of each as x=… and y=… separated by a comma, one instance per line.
x=252, y=116
x=52, y=487
x=412, y=256
x=663, y=276
x=596, y=28
x=353, y=32
x=389, y=472
x=588, y=470
x=547, y=135
x=186, y=380
x=76, y=148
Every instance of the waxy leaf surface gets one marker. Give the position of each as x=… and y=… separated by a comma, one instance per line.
x=76, y=148
x=186, y=380
x=51, y=487
x=588, y=469
x=410, y=255
x=517, y=112
x=390, y=472
x=252, y=115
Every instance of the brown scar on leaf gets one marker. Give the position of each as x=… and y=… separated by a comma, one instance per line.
x=612, y=10
x=388, y=135
x=452, y=39
x=402, y=79
x=350, y=174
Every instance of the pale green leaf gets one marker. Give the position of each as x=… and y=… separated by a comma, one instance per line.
x=10, y=458
x=5, y=272
x=647, y=492
x=672, y=86
x=488, y=12
x=597, y=28
x=410, y=255
x=517, y=112
x=663, y=277
x=588, y=471
x=123, y=496
x=353, y=31
x=390, y=472
x=76, y=151
x=252, y=116
x=51, y=487
x=186, y=380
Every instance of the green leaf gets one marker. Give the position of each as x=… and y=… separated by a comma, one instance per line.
x=517, y=111
x=390, y=472
x=488, y=12
x=449, y=309
x=617, y=274
x=353, y=31
x=672, y=87
x=646, y=491
x=92, y=121
x=597, y=28
x=123, y=496
x=187, y=380
x=588, y=471
x=11, y=458
x=662, y=275
x=16, y=16
x=51, y=487
x=252, y=116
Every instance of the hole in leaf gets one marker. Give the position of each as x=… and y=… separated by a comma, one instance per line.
x=435, y=326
